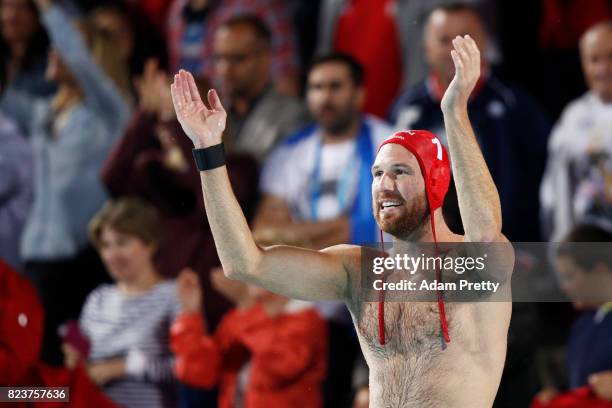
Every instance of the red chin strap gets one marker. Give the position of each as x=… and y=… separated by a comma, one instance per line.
x=441, y=305
x=435, y=167
x=381, y=298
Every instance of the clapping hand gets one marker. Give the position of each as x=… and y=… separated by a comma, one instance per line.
x=466, y=57
x=202, y=125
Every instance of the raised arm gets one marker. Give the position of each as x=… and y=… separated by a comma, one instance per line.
x=293, y=272
x=97, y=88
x=479, y=203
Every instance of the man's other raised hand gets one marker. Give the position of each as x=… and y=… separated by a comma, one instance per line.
x=466, y=57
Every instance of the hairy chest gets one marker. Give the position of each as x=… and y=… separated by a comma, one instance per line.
x=410, y=327
x=406, y=371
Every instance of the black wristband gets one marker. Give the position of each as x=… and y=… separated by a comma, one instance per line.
x=210, y=157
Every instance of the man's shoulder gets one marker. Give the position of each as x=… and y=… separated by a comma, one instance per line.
x=349, y=254
x=353, y=256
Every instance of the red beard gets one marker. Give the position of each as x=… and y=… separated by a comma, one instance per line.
x=403, y=220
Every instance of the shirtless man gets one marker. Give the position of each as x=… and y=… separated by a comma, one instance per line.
x=411, y=369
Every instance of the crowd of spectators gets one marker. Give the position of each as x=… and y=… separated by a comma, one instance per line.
x=109, y=278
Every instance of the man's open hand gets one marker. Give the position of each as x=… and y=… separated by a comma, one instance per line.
x=202, y=125
x=466, y=58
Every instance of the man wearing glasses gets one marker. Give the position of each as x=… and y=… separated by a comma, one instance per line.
x=258, y=115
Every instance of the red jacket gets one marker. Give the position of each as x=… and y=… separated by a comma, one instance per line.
x=579, y=398
x=287, y=356
x=21, y=323
x=21, y=326
x=564, y=21
x=361, y=29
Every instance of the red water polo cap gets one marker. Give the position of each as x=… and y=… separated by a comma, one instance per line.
x=433, y=161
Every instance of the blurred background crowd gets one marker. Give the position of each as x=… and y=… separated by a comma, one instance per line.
x=109, y=278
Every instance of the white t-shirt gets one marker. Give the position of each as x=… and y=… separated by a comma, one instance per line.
x=136, y=328
x=577, y=184
x=290, y=169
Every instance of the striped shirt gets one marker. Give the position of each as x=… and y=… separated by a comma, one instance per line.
x=135, y=328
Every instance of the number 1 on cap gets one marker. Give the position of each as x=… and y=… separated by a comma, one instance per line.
x=437, y=143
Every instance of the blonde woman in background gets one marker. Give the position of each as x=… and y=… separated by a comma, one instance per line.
x=71, y=135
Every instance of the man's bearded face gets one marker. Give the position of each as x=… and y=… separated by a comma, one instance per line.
x=398, y=192
x=334, y=100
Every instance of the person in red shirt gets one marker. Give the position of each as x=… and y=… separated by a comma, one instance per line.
x=358, y=28
x=21, y=329
x=21, y=325
x=268, y=351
